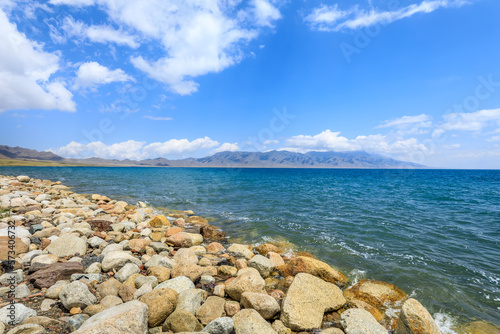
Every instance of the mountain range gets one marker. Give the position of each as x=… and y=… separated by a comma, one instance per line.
x=239, y=159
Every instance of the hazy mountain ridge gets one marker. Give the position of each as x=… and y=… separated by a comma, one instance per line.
x=271, y=159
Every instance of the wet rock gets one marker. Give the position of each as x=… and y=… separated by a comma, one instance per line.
x=303, y=264
x=415, y=319
x=376, y=293
x=67, y=245
x=49, y=275
x=213, y=233
x=249, y=321
x=131, y=318
x=266, y=305
x=161, y=303
x=356, y=320
x=212, y=309
x=76, y=294
x=182, y=321
x=264, y=249
x=248, y=280
x=307, y=299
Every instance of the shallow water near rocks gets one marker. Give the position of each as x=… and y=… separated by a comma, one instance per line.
x=433, y=233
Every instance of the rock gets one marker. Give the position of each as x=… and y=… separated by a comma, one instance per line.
x=76, y=322
x=196, y=220
x=479, y=327
x=275, y=259
x=264, y=249
x=181, y=239
x=47, y=304
x=131, y=318
x=173, y=230
x=191, y=300
x=30, y=255
x=239, y=250
x=225, y=270
x=15, y=313
x=376, y=293
x=126, y=293
x=67, y=245
x=42, y=321
x=365, y=306
x=49, y=275
x=415, y=319
x=280, y=328
x=95, y=242
x=214, y=248
x=28, y=329
x=196, y=239
x=141, y=280
x=224, y=325
x=178, y=284
x=186, y=256
x=248, y=280
x=263, y=265
x=116, y=260
x=110, y=301
x=54, y=291
x=212, y=309
x=145, y=288
x=22, y=291
x=160, y=261
x=76, y=294
x=249, y=321
x=332, y=330
x=19, y=247
x=161, y=273
x=88, y=278
x=303, y=264
x=12, y=277
x=131, y=280
x=94, y=268
x=137, y=245
x=192, y=271
x=181, y=321
x=92, y=310
x=159, y=221
x=266, y=305
x=109, y=288
x=126, y=271
x=356, y=320
x=44, y=259
x=161, y=303
x=307, y=299
x=213, y=233
x=23, y=178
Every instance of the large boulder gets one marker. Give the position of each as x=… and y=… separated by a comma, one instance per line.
x=116, y=260
x=49, y=275
x=67, y=245
x=249, y=321
x=356, y=320
x=213, y=233
x=248, y=280
x=181, y=239
x=76, y=294
x=307, y=299
x=131, y=318
x=266, y=305
x=376, y=293
x=161, y=303
x=415, y=319
x=308, y=265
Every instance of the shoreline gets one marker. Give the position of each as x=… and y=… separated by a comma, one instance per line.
x=136, y=227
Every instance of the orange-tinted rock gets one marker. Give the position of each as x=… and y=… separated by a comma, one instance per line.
x=375, y=293
x=17, y=245
x=181, y=239
x=100, y=225
x=173, y=230
x=210, y=232
x=314, y=267
x=214, y=248
x=159, y=221
x=266, y=248
x=365, y=306
x=196, y=220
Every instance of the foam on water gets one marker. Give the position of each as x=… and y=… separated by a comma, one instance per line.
x=446, y=322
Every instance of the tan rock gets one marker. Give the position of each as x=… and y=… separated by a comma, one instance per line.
x=126, y=292
x=75, y=310
x=214, y=248
x=109, y=288
x=479, y=327
x=161, y=273
x=365, y=306
x=173, y=230
x=275, y=259
x=159, y=221
x=249, y=321
x=231, y=307
x=19, y=247
x=182, y=321
x=264, y=249
x=415, y=319
x=266, y=305
x=376, y=293
x=303, y=264
x=181, y=239
x=161, y=303
x=212, y=309
x=196, y=220
x=248, y=279
x=225, y=270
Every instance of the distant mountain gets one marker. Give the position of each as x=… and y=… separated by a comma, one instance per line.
x=271, y=159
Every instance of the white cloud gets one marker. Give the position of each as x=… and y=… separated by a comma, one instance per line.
x=197, y=37
x=270, y=142
x=136, y=150
x=473, y=121
x=158, y=118
x=405, y=121
x=332, y=141
x=92, y=74
x=331, y=18
x=227, y=147
x=26, y=71
x=94, y=33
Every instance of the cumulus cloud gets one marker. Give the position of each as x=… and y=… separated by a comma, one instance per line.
x=92, y=74
x=196, y=37
x=473, y=121
x=227, y=147
x=133, y=149
x=331, y=18
x=27, y=73
x=333, y=141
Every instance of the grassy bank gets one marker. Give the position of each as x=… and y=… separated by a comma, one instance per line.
x=14, y=162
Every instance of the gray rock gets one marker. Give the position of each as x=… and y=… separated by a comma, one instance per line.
x=54, y=291
x=126, y=271
x=131, y=318
x=224, y=325
x=116, y=260
x=43, y=197
x=87, y=277
x=160, y=261
x=16, y=313
x=145, y=288
x=207, y=279
x=191, y=300
x=141, y=280
x=28, y=329
x=178, y=284
x=94, y=268
x=307, y=299
x=266, y=305
x=357, y=321
x=160, y=247
x=30, y=255
x=35, y=228
x=112, y=248
x=22, y=291
x=15, y=277
x=76, y=294
x=47, y=304
x=263, y=265
x=67, y=245
x=110, y=301
x=249, y=321
x=75, y=322
x=95, y=242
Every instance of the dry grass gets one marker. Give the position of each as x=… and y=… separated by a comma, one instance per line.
x=13, y=162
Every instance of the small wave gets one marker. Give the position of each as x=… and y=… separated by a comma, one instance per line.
x=356, y=275
x=445, y=322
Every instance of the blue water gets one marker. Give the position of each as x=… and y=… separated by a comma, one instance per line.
x=433, y=233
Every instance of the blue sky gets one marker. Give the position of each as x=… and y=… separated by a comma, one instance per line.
x=414, y=80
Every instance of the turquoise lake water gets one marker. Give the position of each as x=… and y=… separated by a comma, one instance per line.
x=433, y=233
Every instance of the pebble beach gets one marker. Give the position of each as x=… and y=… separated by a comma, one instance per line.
x=86, y=263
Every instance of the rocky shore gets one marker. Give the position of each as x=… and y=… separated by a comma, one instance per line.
x=87, y=264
